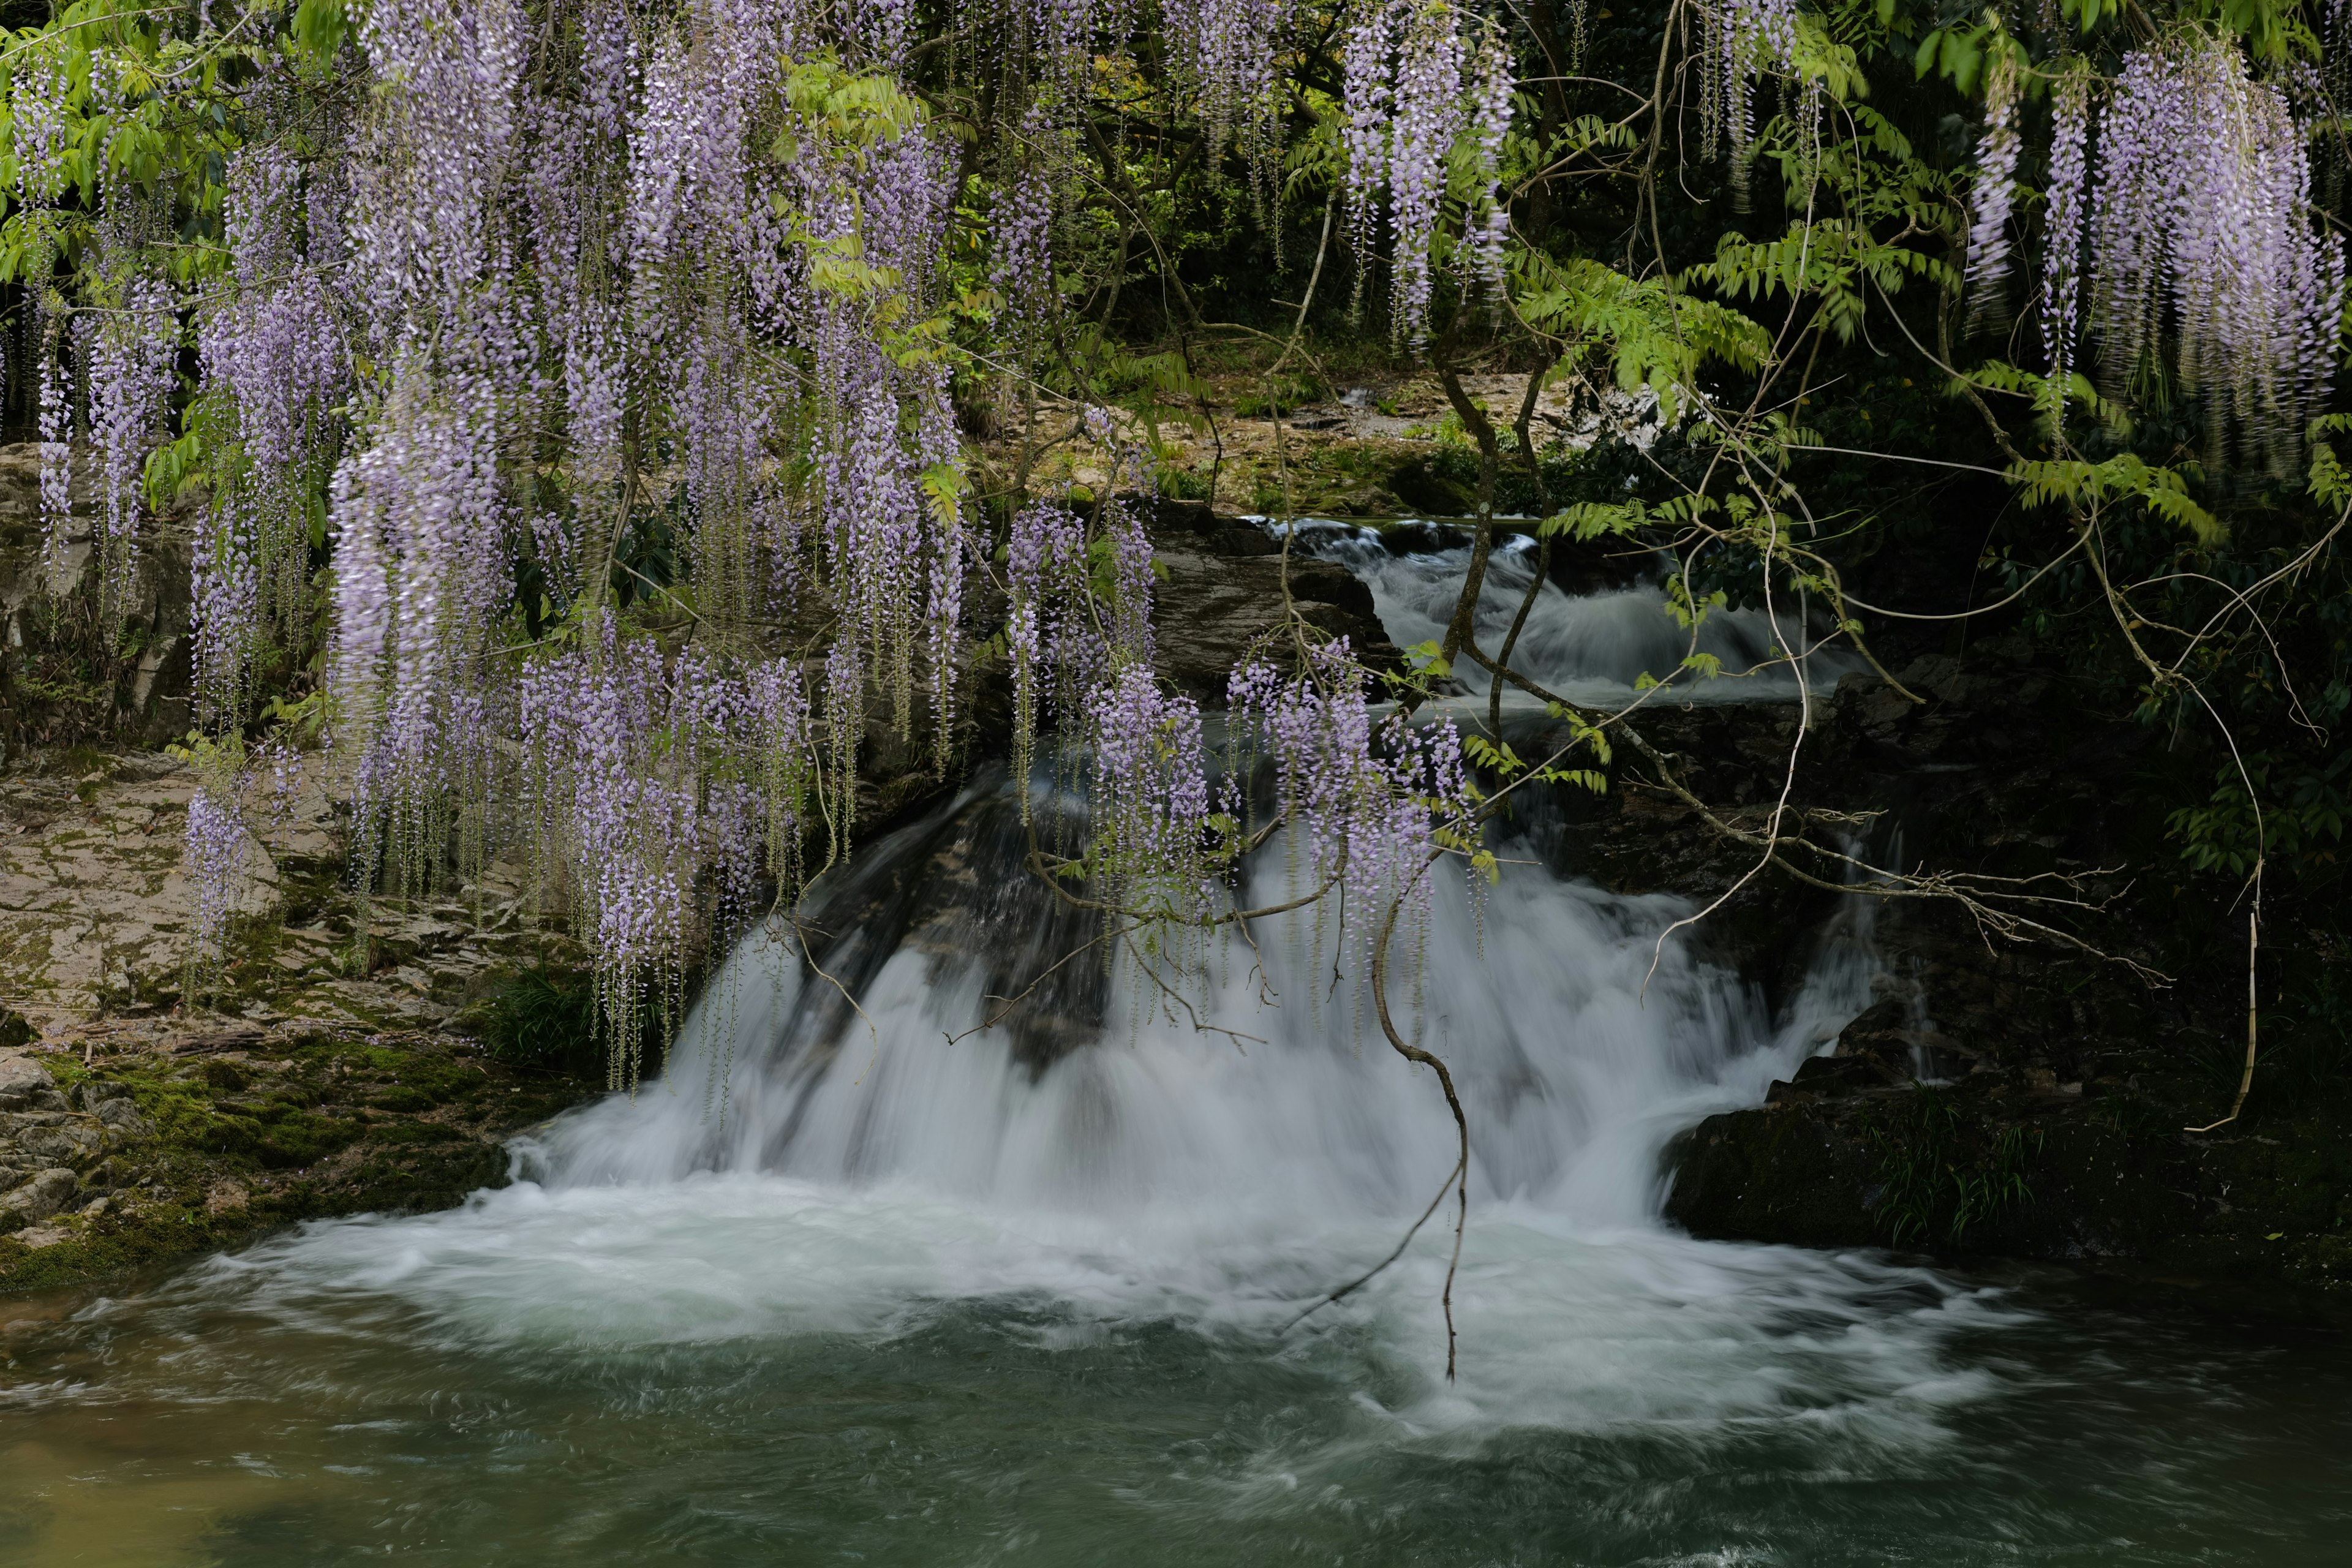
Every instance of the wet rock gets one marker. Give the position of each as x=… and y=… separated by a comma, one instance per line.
x=39, y=1196
x=63, y=1140
x=91, y=1093
x=1223, y=599
x=1419, y=486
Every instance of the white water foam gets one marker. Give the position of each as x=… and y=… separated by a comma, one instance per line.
x=805, y=1168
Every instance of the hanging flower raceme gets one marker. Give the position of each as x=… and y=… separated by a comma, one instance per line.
x=131, y=354
x=1412, y=88
x=1056, y=654
x=1741, y=41
x=1061, y=37
x=655, y=783
x=1020, y=268
x=36, y=109
x=1996, y=185
x=442, y=146
x=1365, y=798
x=271, y=344
x=1150, y=806
x=2062, y=256
x=420, y=580
x=1127, y=615
x=2201, y=230
x=214, y=861
x=1490, y=123
x=1228, y=49
x=54, y=424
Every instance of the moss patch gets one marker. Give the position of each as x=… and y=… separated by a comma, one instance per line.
x=305, y=1125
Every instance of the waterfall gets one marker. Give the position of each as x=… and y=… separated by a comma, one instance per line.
x=1579, y=1042
x=857, y=1132
x=850, y=1043
x=1598, y=647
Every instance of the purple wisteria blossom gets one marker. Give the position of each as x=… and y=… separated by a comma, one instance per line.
x=2201, y=228
x=1996, y=185
x=214, y=861
x=1414, y=87
x=1150, y=801
x=1363, y=796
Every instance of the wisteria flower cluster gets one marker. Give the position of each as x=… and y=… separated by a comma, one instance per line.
x=36, y=111
x=1996, y=181
x=603, y=353
x=1022, y=266
x=1364, y=797
x=1742, y=41
x=2062, y=252
x=1151, y=804
x=1056, y=654
x=2201, y=228
x=130, y=381
x=658, y=786
x=214, y=860
x=1229, y=47
x=54, y=424
x=697, y=241
x=1414, y=87
x=271, y=347
x=1078, y=612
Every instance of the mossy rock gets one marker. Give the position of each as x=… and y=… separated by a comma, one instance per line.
x=301, y=1126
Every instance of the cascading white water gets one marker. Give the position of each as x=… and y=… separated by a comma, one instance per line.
x=1576, y=1062
x=1594, y=647
x=807, y=1167
x=837, y=1285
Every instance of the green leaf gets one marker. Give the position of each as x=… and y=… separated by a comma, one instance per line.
x=320, y=26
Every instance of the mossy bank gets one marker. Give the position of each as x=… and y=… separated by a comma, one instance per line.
x=138, y=1156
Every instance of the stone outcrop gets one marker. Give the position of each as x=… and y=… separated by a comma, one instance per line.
x=57, y=1150
x=1223, y=593
x=2019, y=1099
x=61, y=679
x=189, y=1138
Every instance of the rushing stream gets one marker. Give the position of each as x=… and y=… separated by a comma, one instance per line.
x=839, y=1288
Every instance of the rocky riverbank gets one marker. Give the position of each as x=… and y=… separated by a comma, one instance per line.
x=202, y=1138
x=2003, y=1159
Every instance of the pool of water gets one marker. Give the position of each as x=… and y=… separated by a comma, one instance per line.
x=737, y=1368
